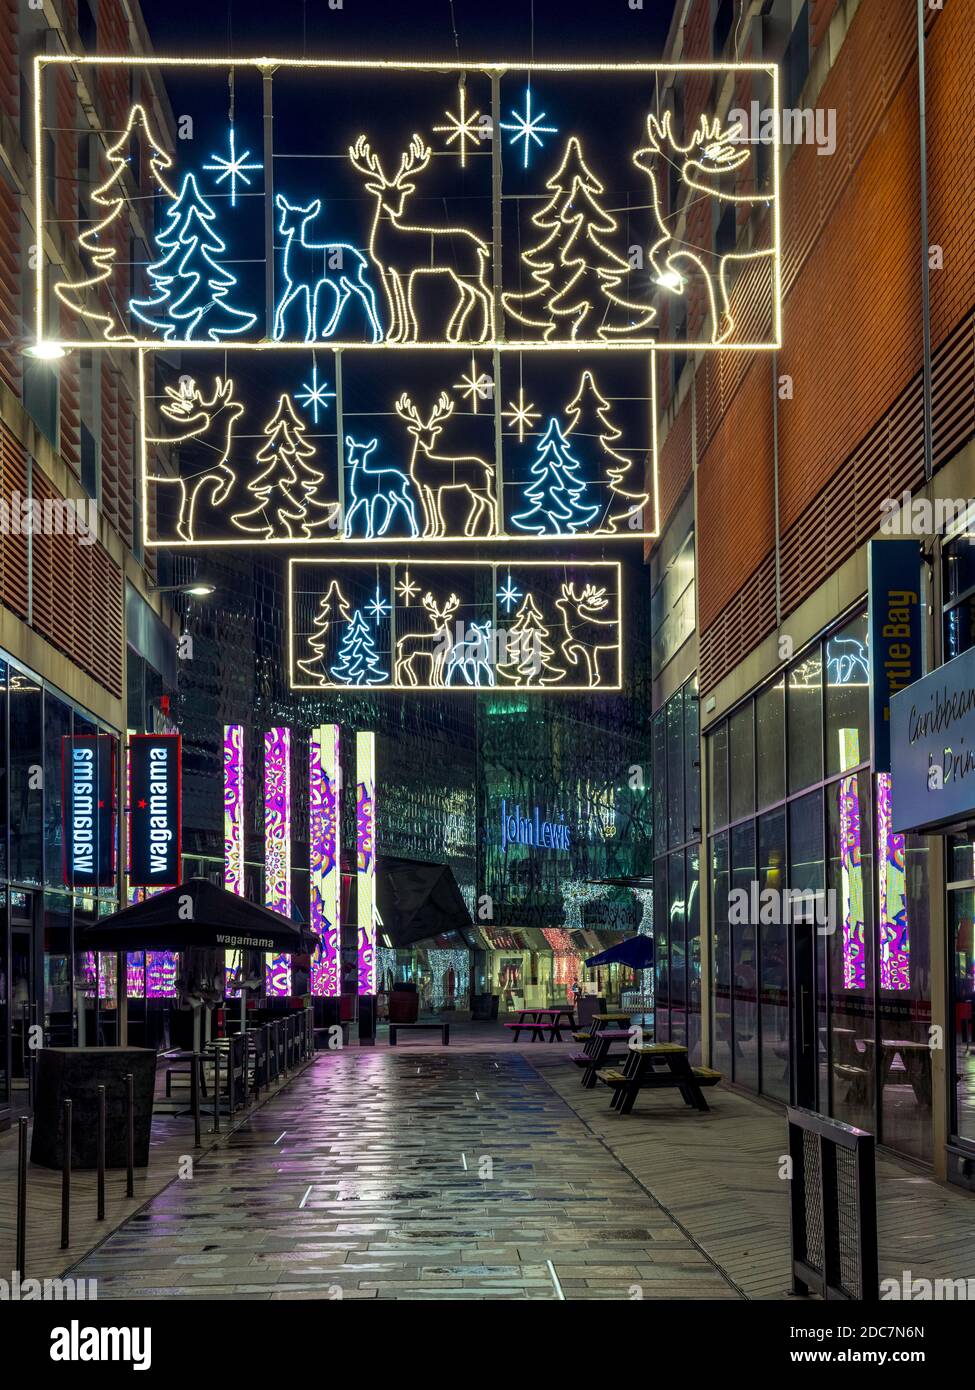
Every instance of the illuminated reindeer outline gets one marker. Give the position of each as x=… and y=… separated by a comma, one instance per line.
x=434, y=474
x=435, y=644
x=711, y=154
x=187, y=409
x=586, y=634
x=402, y=251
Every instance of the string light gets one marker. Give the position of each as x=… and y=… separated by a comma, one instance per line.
x=520, y=416
x=462, y=127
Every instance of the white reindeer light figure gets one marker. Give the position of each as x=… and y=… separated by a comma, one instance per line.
x=402, y=251
x=434, y=647
x=434, y=474
x=708, y=163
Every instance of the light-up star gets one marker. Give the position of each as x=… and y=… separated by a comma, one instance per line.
x=461, y=128
x=232, y=168
x=406, y=589
x=520, y=416
x=474, y=388
x=313, y=394
x=378, y=607
x=528, y=127
x=509, y=594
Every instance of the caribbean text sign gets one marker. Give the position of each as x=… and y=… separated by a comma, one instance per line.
x=932, y=740
x=154, y=810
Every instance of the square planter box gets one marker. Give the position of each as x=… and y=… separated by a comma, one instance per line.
x=75, y=1073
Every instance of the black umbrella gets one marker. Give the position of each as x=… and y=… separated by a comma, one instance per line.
x=419, y=900
x=196, y=914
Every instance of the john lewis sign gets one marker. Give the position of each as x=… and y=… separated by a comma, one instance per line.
x=531, y=829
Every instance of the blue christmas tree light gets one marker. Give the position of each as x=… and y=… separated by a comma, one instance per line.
x=556, y=494
x=357, y=662
x=190, y=286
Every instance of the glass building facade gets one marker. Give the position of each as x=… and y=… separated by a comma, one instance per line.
x=810, y=1010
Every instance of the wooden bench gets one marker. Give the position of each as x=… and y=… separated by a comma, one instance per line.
x=395, y=1028
x=598, y=1051
x=657, y=1066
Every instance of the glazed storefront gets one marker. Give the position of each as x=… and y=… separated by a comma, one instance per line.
x=807, y=1012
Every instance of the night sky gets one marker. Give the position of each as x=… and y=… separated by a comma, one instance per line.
x=548, y=30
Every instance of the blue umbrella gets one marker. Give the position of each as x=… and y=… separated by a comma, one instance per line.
x=635, y=951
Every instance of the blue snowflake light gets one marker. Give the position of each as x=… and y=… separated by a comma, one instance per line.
x=528, y=127
x=232, y=168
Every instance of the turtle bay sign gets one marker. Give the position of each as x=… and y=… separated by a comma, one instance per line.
x=932, y=739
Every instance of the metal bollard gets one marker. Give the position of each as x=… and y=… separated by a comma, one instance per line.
x=129, y=1134
x=66, y=1175
x=233, y=1050
x=216, y=1088
x=195, y=1094
x=101, y=1153
x=21, y=1194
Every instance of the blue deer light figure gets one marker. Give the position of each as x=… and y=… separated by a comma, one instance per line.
x=307, y=266
x=370, y=488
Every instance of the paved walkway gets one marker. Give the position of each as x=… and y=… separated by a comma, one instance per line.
x=414, y=1173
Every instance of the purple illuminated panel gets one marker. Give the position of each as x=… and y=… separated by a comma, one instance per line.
x=161, y=967
x=277, y=848
x=854, y=944
x=233, y=835
x=135, y=974
x=365, y=849
x=894, y=933
x=324, y=836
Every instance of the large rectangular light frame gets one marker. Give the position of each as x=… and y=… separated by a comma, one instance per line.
x=296, y=563
x=267, y=66
x=332, y=540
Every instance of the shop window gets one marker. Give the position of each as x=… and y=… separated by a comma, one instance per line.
x=718, y=775
x=904, y=1000
x=774, y=1014
x=847, y=697
x=744, y=959
x=57, y=725
x=661, y=951
x=26, y=778
x=677, y=926
x=692, y=760
x=693, y=953
x=961, y=917
x=807, y=875
x=741, y=763
x=804, y=697
x=659, y=748
x=675, y=770
x=770, y=744
x=721, y=956
x=852, y=1031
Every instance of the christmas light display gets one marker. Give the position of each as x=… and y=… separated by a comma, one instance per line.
x=233, y=168
x=365, y=847
x=94, y=241
x=580, y=287
x=190, y=287
x=325, y=860
x=277, y=847
x=307, y=269
x=531, y=625
x=582, y=476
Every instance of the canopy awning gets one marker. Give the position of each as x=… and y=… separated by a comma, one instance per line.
x=419, y=900
x=196, y=913
x=635, y=951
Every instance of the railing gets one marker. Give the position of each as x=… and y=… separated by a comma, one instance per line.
x=833, y=1209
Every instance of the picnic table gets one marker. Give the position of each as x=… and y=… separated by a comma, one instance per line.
x=598, y=1051
x=656, y=1066
x=543, y=1020
x=916, y=1060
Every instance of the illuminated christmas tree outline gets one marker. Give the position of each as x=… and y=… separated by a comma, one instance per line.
x=357, y=662
x=331, y=602
x=575, y=272
x=556, y=509
x=289, y=477
x=528, y=649
x=589, y=402
x=103, y=254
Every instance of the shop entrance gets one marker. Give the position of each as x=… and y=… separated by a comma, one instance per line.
x=23, y=988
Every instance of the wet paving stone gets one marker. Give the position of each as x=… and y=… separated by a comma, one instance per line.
x=463, y=1177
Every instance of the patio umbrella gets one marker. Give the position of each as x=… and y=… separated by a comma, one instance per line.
x=200, y=914
x=635, y=951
